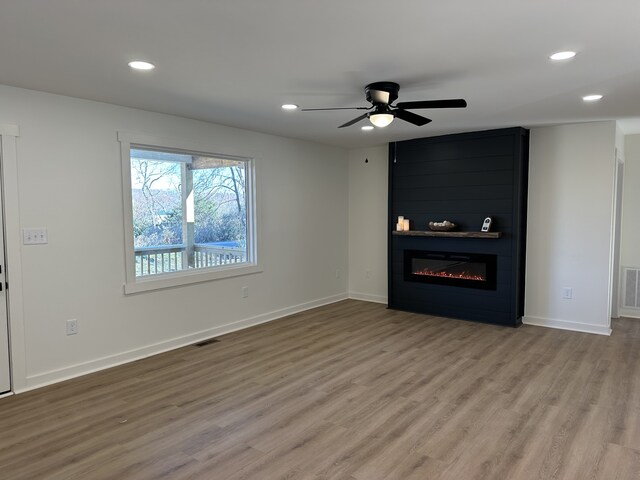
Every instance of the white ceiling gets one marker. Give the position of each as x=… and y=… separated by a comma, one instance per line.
x=235, y=62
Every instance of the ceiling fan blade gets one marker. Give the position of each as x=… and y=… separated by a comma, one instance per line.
x=453, y=103
x=333, y=108
x=411, y=117
x=355, y=120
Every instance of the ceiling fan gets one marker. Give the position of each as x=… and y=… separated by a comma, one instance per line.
x=381, y=113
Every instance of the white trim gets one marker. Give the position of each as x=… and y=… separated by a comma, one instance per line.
x=366, y=297
x=54, y=376
x=613, y=298
x=186, y=144
x=133, y=284
x=189, y=277
x=13, y=247
x=625, y=312
x=5, y=351
x=567, y=325
x=127, y=214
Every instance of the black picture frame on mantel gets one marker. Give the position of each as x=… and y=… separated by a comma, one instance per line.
x=461, y=177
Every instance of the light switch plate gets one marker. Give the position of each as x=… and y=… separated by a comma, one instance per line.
x=34, y=236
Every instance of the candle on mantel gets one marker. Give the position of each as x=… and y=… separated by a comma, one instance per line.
x=405, y=224
x=401, y=219
x=399, y=226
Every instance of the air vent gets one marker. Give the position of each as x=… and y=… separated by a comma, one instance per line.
x=204, y=343
x=632, y=288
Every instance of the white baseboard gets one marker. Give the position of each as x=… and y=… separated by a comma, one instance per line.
x=567, y=325
x=368, y=298
x=54, y=376
x=626, y=312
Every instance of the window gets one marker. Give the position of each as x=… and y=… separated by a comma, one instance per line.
x=189, y=215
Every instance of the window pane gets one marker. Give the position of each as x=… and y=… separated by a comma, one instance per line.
x=189, y=211
x=220, y=211
x=156, y=195
x=220, y=204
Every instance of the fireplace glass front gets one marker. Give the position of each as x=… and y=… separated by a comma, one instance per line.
x=468, y=270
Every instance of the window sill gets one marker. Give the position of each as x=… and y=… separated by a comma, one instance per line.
x=169, y=280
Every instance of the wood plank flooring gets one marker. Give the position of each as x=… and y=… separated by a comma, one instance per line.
x=351, y=391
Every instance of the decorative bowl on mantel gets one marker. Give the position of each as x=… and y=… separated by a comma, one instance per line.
x=445, y=226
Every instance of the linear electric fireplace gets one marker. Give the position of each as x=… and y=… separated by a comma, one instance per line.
x=456, y=269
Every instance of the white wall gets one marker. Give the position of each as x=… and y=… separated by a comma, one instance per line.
x=70, y=183
x=630, y=248
x=569, y=229
x=368, y=205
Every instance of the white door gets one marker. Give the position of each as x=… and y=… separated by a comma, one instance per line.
x=5, y=377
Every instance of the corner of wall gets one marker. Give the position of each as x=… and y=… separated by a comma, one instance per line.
x=368, y=223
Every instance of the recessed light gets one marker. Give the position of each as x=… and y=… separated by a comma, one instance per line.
x=140, y=65
x=592, y=98
x=289, y=106
x=367, y=128
x=563, y=55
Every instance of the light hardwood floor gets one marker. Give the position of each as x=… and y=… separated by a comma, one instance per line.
x=351, y=391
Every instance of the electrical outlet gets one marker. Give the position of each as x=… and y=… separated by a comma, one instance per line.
x=72, y=326
x=245, y=292
x=567, y=293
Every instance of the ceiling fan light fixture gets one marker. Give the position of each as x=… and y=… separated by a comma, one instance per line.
x=381, y=119
x=367, y=128
x=289, y=106
x=592, y=98
x=382, y=111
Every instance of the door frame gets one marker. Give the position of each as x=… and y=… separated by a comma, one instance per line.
x=5, y=363
x=617, y=235
x=15, y=307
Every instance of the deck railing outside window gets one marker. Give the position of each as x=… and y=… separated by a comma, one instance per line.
x=170, y=258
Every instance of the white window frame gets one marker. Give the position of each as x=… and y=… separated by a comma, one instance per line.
x=135, y=284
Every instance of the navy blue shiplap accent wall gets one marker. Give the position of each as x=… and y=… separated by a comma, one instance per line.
x=462, y=178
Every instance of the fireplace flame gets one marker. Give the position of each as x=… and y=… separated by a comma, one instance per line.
x=457, y=275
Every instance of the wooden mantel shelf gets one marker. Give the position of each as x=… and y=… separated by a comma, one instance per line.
x=429, y=233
